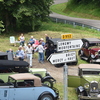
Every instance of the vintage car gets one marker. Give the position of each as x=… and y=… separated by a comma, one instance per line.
x=52, y=48
x=8, y=67
x=26, y=86
x=86, y=80
x=90, y=50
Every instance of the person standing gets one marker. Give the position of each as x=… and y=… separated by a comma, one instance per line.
x=42, y=41
x=40, y=50
x=11, y=54
x=22, y=39
x=46, y=38
x=20, y=54
x=29, y=51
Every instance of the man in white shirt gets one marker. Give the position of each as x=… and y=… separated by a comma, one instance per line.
x=28, y=52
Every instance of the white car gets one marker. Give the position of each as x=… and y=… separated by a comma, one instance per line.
x=26, y=86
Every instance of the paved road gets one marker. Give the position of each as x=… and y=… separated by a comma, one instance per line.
x=94, y=23
x=59, y=1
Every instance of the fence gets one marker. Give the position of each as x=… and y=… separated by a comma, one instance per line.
x=58, y=20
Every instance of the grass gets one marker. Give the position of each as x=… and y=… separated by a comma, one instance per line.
x=54, y=30
x=71, y=92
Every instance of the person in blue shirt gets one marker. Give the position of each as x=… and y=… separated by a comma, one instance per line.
x=42, y=41
x=20, y=54
x=32, y=40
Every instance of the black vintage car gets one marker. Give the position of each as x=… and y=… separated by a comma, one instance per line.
x=8, y=67
x=52, y=48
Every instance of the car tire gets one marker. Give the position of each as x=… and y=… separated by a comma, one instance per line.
x=80, y=53
x=89, y=60
x=1, y=81
x=81, y=95
x=59, y=65
x=46, y=97
x=48, y=83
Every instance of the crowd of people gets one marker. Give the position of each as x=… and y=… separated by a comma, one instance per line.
x=26, y=50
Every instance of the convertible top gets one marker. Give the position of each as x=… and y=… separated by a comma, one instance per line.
x=91, y=40
x=89, y=66
x=54, y=40
x=12, y=64
x=27, y=76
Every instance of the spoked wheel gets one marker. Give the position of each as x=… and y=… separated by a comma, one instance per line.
x=80, y=53
x=46, y=97
x=90, y=60
x=81, y=94
x=48, y=82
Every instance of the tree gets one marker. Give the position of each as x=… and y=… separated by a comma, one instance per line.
x=24, y=15
x=1, y=27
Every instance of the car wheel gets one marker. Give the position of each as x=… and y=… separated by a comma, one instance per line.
x=81, y=94
x=48, y=82
x=1, y=81
x=90, y=60
x=80, y=53
x=59, y=65
x=46, y=97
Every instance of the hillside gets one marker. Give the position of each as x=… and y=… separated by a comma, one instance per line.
x=79, y=8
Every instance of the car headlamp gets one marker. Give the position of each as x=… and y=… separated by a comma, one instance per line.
x=86, y=85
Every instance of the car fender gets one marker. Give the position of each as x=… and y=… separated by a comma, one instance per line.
x=48, y=77
x=38, y=75
x=45, y=93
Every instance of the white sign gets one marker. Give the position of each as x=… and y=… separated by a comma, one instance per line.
x=69, y=45
x=62, y=57
x=12, y=39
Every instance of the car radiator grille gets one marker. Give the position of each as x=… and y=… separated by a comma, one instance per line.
x=94, y=89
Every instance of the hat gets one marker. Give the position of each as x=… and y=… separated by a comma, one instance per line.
x=31, y=36
x=41, y=39
x=29, y=44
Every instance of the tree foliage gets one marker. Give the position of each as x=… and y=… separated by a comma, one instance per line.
x=1, y=27
x=24, y=15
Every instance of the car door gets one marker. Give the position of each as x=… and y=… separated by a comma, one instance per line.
x=4, y=94
x=25, y=93
x=73, y=78
x=73, y=81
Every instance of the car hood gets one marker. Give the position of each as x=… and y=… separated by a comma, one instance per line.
x=95, y=49
x=41, y=71
x=90, y=78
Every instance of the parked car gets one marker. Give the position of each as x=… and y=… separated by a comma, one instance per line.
x=86, y=80
x=90, y=50
x=8, y=67
x=52, y=48
x=26, y=86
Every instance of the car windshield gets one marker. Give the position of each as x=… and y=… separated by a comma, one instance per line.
x=91, y=72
